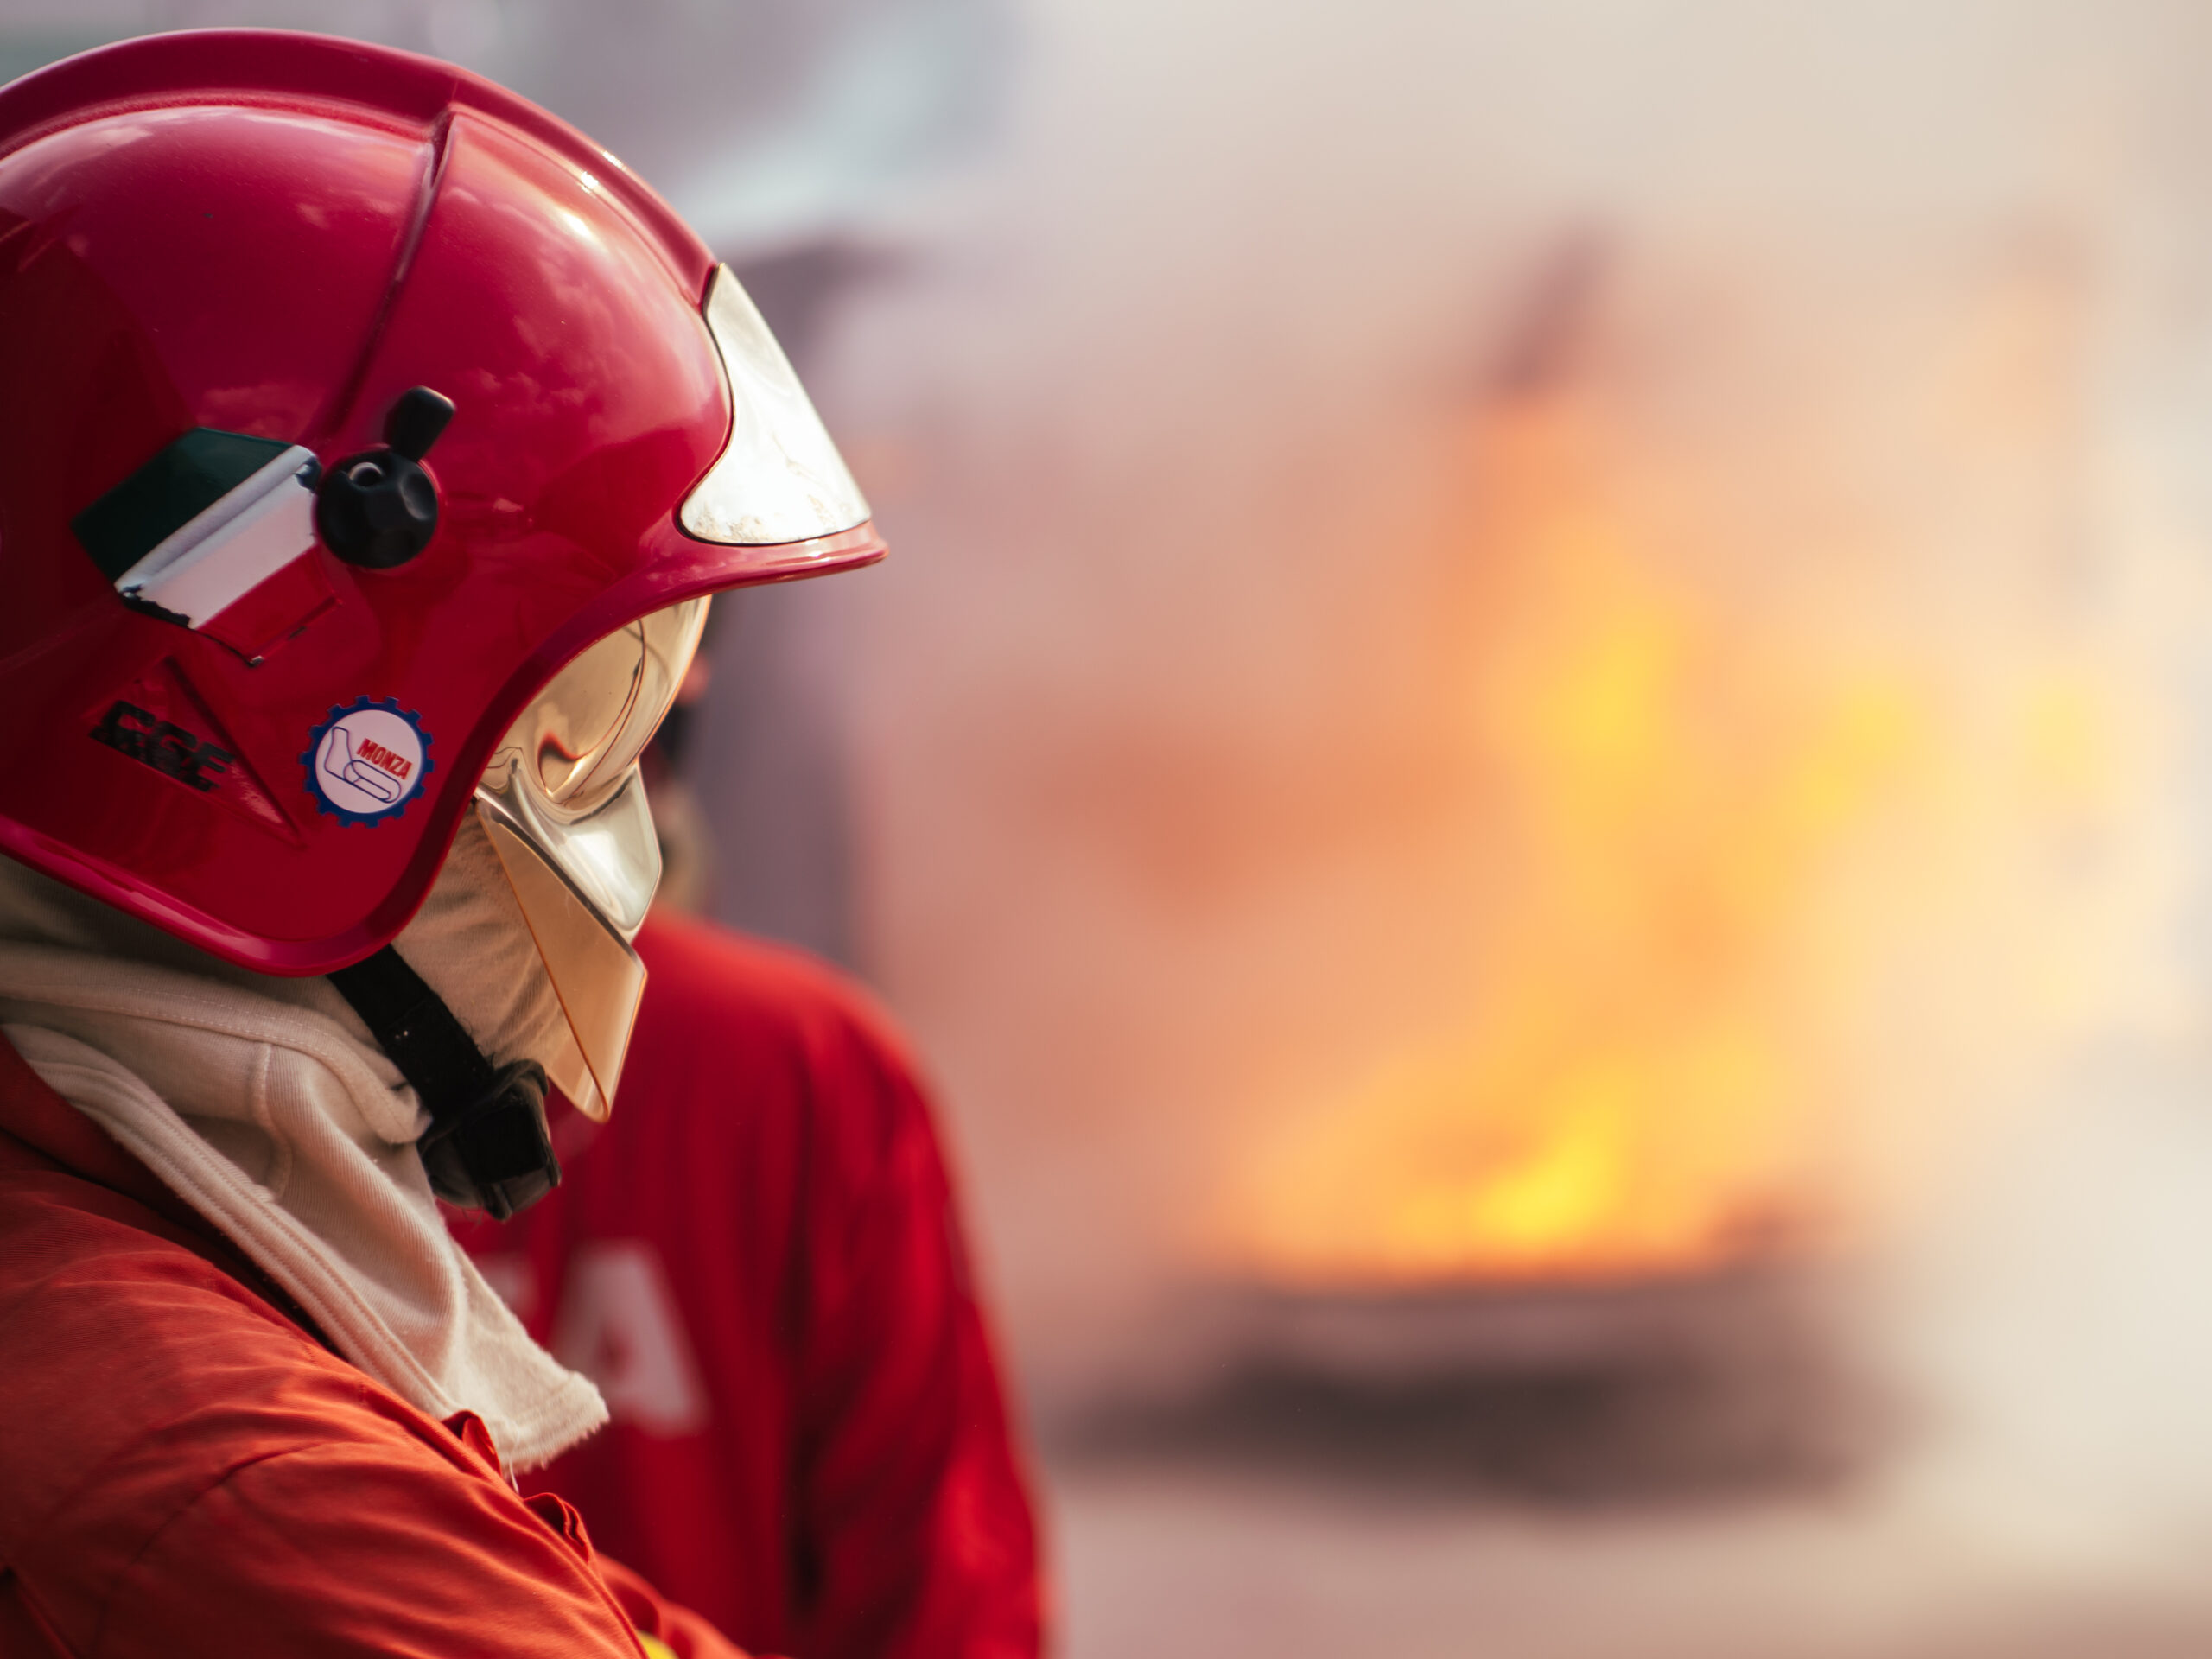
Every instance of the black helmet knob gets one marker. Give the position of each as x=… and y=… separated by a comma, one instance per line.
x=379, y=508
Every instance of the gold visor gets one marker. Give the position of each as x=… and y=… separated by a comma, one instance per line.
x=565, y=808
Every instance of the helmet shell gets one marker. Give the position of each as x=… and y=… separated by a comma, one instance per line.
x=277, y=235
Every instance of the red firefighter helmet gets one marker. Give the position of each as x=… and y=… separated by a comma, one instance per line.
x=369, y=440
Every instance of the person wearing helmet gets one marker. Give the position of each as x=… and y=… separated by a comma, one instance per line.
x=370, y=443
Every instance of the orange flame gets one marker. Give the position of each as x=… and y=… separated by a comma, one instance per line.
x=1672, y=780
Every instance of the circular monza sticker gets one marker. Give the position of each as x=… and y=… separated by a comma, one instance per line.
x=367, y=761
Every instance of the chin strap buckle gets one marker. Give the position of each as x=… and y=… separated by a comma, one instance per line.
x=488, y=1147
x=494, y=1154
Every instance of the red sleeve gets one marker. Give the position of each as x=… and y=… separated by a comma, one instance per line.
x=345, y=1549
x=915, y=1514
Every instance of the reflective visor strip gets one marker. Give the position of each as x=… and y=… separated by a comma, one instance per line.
x=208, y=520
x=779, y=479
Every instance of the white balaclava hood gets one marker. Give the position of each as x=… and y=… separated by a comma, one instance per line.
x=263, y=1103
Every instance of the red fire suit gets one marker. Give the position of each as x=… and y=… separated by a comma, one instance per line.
x=185, y=1470
x=759, y=1260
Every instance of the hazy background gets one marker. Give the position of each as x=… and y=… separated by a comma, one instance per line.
x=1534, y=767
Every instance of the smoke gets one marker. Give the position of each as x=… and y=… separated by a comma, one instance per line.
x=2054, y=1324
x=1174, y=829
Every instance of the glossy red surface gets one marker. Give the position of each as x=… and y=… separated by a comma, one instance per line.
x=278, y=234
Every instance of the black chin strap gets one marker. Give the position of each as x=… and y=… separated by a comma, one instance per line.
x=486, y=1147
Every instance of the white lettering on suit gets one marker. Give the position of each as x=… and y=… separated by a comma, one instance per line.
x=617, y=1324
